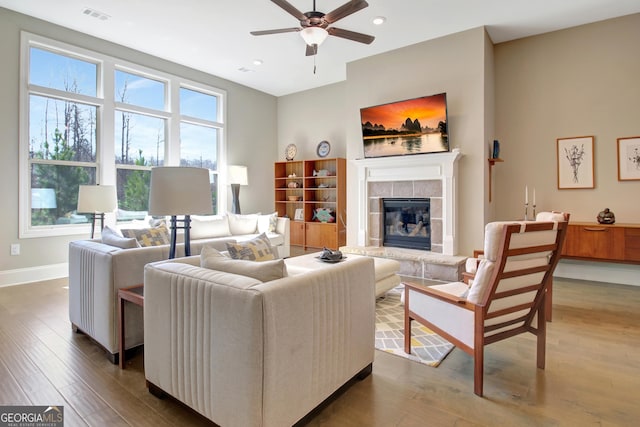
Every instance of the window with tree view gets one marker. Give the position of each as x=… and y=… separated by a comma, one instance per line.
x=80, y=134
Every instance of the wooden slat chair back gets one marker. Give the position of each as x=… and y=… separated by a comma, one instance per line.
x=506, y=297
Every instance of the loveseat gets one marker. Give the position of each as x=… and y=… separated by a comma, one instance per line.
x=246, y=352
x=97, y=270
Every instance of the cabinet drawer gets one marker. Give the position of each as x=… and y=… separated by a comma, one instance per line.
x=594, y=241
x=632, y=244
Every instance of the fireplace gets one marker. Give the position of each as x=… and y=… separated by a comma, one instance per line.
x=429, y=176
x=407, y=223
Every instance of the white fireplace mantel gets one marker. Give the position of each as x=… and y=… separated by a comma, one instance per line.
x=435, y=166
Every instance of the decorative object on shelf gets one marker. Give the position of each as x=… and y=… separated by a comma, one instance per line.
x=293, y=184
x=606, y=217
x=321, y=172
x=323, y=215
x=323, y=149
x=495, y=153
x=237, y=177
x=290, y=152
x=299, y=215
x=293, y=198
x=293, y=175
x=629, y=159
x=575, y=163
x=180, y=191
x=96, y=199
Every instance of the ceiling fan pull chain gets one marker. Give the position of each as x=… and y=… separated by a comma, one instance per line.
x=314, y=64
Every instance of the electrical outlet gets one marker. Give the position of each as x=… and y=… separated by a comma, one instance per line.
x=15, y=249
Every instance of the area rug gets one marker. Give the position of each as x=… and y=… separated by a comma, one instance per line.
x=426, y=346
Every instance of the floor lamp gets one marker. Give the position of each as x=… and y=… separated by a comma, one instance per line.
x=237, y=177
x=97, y=199
x=180, y=191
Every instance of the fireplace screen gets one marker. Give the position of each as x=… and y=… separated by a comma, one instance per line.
x=407, y=223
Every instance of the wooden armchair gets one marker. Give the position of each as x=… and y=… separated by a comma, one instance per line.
x=506, y=297
x=472, y=263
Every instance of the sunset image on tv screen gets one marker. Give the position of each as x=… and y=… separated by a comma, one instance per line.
x=414, y=126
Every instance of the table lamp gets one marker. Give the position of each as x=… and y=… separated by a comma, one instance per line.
x=180, y=191
x=97, y=199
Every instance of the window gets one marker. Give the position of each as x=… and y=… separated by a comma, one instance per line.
x=76, y=132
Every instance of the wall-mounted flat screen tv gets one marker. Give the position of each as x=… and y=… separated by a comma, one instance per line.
x=413, y=126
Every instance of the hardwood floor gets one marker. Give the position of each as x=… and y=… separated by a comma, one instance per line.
x=592, y=375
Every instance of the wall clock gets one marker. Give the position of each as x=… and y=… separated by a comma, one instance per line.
x=323, y=149
x=290, y=151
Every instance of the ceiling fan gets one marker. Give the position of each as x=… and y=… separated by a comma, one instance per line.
x=314, y=26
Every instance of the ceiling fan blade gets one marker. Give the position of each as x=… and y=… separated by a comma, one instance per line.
x=279, y=30
x=350, y=35
x=312, y=50
x=345, y=10
x=290, y=9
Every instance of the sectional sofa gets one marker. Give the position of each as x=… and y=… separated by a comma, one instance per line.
x=97, y=269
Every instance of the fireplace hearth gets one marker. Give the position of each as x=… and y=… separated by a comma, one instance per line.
x=407, y=223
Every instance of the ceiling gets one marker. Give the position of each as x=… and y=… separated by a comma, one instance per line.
x=213, y=35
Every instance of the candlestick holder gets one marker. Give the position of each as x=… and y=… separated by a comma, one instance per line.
x=526, y=211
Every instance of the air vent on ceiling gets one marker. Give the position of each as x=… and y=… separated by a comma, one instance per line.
x=95, y=14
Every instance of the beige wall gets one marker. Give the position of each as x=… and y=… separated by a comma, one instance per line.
x=453, y=64
x=251, y=136
x=575, y=82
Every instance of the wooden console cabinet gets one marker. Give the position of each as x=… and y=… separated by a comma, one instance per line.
x=591, y=241
x=300, y=188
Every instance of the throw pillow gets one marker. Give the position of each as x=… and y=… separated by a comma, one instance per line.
x=203, y=227
x=264, y=271
x=113, y=237
x=242, y=224
x=149, y=236
x=256, y=249
x=267, y=223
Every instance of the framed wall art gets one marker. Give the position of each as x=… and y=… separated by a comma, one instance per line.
x=629, y=159
x=575, y=162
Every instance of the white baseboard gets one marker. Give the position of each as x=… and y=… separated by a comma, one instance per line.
x=623, y=274
x=33, y=274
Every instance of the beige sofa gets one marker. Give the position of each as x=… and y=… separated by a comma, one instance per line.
x=246, y=353
x=98, y=270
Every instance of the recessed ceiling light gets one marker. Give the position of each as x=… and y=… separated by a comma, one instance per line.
x=379, y=20
x=257, y=62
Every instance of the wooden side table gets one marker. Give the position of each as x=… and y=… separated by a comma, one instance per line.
x=134, y=294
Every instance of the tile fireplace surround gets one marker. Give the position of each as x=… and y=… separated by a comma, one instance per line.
x=431, y=176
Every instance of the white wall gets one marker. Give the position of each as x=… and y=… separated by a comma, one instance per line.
x=251, y=136
x=575, y=82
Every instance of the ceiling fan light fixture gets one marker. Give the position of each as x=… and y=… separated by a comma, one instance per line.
x=314, y=35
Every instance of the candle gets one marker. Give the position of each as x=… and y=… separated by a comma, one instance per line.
x=534, y=196
x=526, y=195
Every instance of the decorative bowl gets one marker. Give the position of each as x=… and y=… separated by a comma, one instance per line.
x=293, y=198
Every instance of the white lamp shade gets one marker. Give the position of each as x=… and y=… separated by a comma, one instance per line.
x=238, y=175
x=97, y=198
x=43, y=198
x=180, y=191
x=314, y=35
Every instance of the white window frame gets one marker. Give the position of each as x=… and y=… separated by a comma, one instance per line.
x=105, y=134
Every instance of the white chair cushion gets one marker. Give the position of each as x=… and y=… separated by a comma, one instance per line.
x=481, y=281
